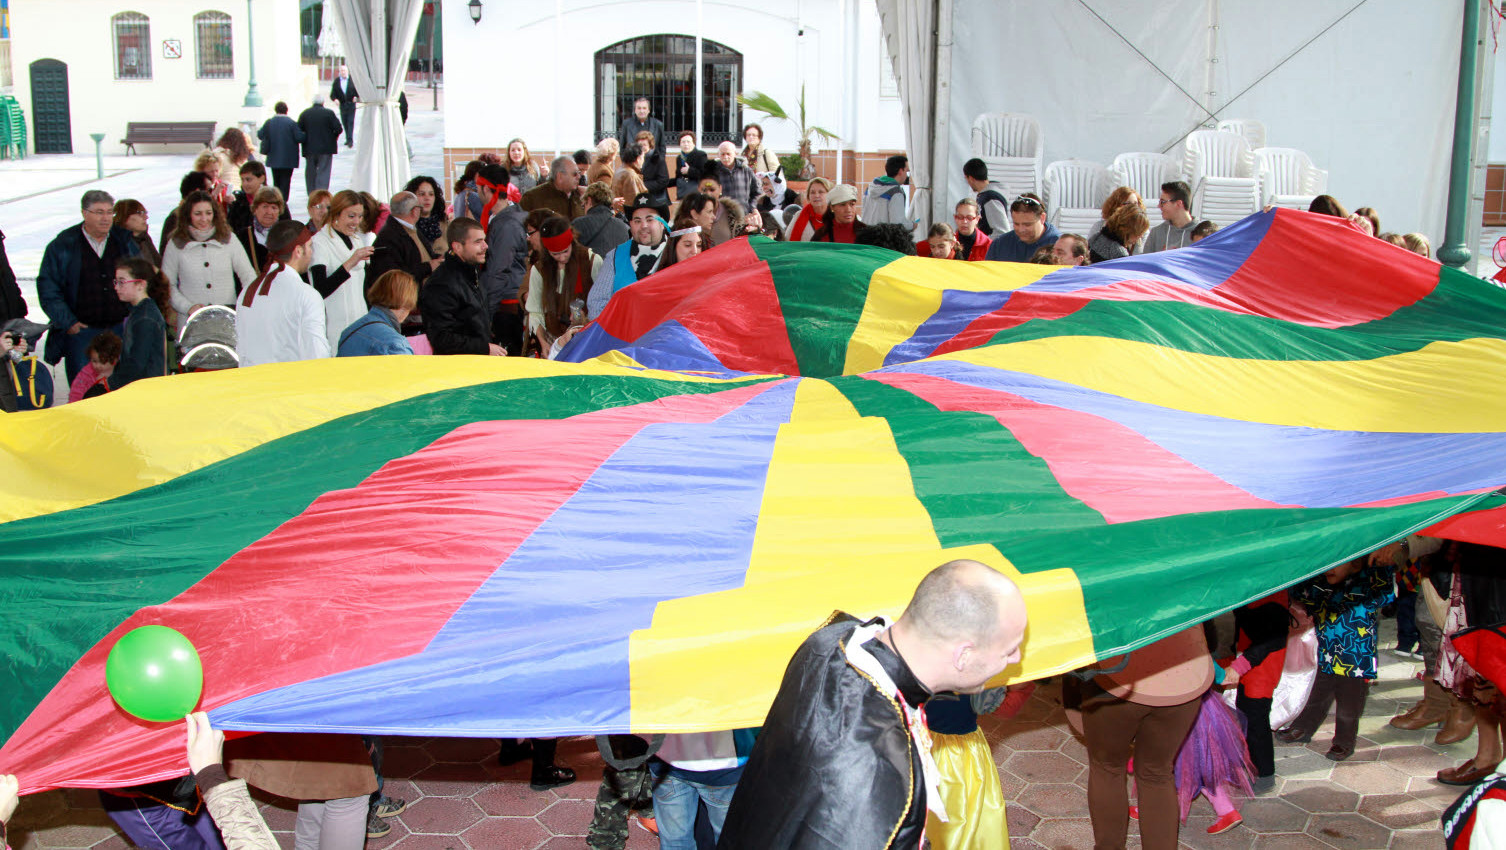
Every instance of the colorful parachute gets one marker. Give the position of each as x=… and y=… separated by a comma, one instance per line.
x=478, y=547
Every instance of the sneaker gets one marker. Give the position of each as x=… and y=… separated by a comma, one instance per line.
x=648, y=824
x=375, y=826
x=1225, y=823
x=389, y=807
x=551, y=777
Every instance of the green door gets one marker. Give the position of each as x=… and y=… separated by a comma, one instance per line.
x=49, y=107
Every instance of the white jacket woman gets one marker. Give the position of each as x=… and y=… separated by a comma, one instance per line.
x=204, y=263
x=342, y=251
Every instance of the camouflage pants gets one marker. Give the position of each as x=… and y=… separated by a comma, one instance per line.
x=620, y=792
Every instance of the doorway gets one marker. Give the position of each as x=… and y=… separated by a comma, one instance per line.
x=52, y=129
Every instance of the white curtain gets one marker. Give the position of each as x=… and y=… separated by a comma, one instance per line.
x=909, y=34
x=377, y=36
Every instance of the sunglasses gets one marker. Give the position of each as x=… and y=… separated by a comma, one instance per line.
x=1027, y=201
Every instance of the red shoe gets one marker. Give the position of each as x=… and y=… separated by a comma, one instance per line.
x=648, y=824
x=1225, y=823
x=1134, y=812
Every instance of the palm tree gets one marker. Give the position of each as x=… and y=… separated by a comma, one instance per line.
x=760, y=102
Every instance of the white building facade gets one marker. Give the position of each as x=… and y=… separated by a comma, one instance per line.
x=563, y=75
x=91, y=66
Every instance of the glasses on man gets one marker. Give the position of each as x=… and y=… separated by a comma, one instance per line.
x=101, y=212
x=1163, y=202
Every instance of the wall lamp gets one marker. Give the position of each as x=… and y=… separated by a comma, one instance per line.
x=475, y=8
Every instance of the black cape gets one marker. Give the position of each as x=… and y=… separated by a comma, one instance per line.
x=834, y=766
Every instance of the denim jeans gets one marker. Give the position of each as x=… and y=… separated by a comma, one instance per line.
x=675, y=802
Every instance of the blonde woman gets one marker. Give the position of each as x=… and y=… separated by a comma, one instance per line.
x=522, y=171
x=342, y=250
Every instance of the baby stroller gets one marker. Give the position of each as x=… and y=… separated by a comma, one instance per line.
x=207, y=341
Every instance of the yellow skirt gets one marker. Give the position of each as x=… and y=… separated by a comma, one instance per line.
x=970, y=789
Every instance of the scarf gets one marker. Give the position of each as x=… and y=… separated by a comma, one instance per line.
x=275, y=264
x=806, y=219
x=915, y=716
x=198, y=235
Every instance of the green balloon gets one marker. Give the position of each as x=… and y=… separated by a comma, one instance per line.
x=154, y=673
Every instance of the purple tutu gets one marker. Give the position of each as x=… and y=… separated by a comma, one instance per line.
x=1214, y=754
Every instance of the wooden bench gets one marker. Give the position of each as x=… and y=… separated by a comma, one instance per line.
x=167, y=133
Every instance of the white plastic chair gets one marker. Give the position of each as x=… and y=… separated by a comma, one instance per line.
x=1075, y=192
x=1288, y=178
x=1225, y=188
x=1145, y=172
x=1252, y=130
x=1010, y=144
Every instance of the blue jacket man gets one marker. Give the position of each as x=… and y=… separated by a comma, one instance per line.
x=76, y=284
x=280, y=138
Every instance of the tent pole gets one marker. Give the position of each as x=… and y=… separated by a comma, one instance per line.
x=847, y=131
x=941, y=111
x=559, y=14
x=1455, y=252
x=699, y=92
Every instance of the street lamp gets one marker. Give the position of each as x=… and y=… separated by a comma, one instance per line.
x=474, y=6
x=253, y=97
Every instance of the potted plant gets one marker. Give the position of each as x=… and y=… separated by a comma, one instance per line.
x=796, y=165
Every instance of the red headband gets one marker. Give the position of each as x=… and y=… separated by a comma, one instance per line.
x=555, y=244
x=497, y=195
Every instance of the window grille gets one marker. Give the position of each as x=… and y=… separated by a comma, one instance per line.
x=661, y=68
x=133, y=46
x=213, y=48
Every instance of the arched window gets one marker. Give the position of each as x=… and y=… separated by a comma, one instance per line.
x=213, y=47
x=133, y=46
x=662, y=69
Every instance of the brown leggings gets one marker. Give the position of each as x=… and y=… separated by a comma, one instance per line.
x=1156, y=733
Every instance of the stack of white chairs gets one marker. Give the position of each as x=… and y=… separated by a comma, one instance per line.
x=1075, y=192
x=1288, y=178
x=1145, y=172
x=1252, y=130
x=1010, y=144
x=1221, y=169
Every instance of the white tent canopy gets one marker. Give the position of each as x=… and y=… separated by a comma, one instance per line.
x=1366, y=88
x=377, y=36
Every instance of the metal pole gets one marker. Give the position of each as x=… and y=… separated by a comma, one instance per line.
x=433, y=30
x=1455, y=252
x=559, y=14
x=846, y=130
x=253, y=97
x=99, y=155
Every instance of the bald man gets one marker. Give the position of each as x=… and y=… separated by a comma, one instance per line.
x=844, y=758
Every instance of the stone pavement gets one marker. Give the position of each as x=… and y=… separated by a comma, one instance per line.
x=459, y=799
x=39, y=194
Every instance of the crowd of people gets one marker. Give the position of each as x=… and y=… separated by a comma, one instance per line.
x=518, y=260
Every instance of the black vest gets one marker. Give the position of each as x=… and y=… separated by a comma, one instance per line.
x=94, y=302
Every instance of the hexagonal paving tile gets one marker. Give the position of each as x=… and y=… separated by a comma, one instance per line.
x=1415, y=760
x=1349, y=832
x=568, y=817
x=1417, y=839
x=1397, y=811
x=1434, y=793
x=1032, y=737
x=1020, y=820
x=441, y=815
x=403, y=759
x=513, y=799
x=1288, y=841
x=1194, y=834
x=1043, y=767
x=1371, y=778
x=490, y=833
x=1264, y=814
x=1319, y=796
x=1053, y=801
x=430, y=842
x=1302, y=763
x=1054, y=833
x=451, y=780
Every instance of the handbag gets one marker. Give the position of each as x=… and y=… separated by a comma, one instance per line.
x=1453, y=670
